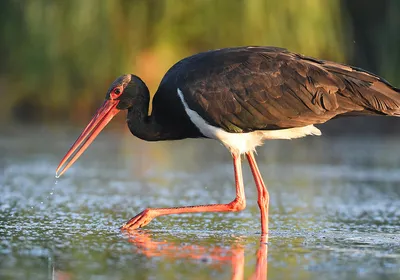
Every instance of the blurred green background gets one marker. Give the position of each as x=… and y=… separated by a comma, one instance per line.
x=59, y=57
x=334, y=201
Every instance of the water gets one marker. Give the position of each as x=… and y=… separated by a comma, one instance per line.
x=335, y=209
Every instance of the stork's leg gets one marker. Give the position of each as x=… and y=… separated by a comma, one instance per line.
x=263, y=195
x=238, y=204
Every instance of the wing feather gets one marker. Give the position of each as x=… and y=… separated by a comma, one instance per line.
x=247, y=89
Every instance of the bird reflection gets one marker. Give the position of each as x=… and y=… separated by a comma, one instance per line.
x=214, y=255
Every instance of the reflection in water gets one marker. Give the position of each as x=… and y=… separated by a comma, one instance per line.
x=214, y=254
x=335, y=212
x=61, y=275
x=262, y=259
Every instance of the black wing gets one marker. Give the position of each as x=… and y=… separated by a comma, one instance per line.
x=261, y=88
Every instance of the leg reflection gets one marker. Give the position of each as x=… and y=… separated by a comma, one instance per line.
x=234, y=254
x=262, y=262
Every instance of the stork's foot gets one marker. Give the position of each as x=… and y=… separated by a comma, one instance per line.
x=140, y=220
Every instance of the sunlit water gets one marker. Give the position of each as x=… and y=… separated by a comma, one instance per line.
x=335, y=209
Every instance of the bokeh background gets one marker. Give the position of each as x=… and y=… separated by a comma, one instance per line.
x=335, y=199
x=59, y=57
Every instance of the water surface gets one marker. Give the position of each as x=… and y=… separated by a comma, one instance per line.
x=335, y=209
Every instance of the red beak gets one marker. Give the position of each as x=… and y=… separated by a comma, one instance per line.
x=102, y=117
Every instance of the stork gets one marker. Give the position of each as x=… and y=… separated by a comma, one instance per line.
x=240, y=97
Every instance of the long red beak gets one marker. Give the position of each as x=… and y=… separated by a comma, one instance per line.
x=102, y=117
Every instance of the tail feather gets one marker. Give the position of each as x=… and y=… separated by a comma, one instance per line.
x=368, y=92
x=381, y=98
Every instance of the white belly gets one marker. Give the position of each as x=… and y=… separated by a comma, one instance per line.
x=240, y=143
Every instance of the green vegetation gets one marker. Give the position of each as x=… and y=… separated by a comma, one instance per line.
x=59, y=57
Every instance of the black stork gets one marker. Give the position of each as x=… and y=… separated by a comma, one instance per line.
x=240, y=97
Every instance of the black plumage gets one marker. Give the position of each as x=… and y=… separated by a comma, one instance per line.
x=263, y=88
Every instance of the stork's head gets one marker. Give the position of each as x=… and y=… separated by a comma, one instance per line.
x=120, y=96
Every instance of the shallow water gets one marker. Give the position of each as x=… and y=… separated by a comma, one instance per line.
x=335, y=209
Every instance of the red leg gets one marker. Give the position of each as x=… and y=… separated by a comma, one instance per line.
x=238, y=204
x=263, y=196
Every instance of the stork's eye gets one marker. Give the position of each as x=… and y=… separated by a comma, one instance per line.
x=115, y=93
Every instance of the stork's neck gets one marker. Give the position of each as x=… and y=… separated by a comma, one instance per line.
x=140, y=123
x=168, y=120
